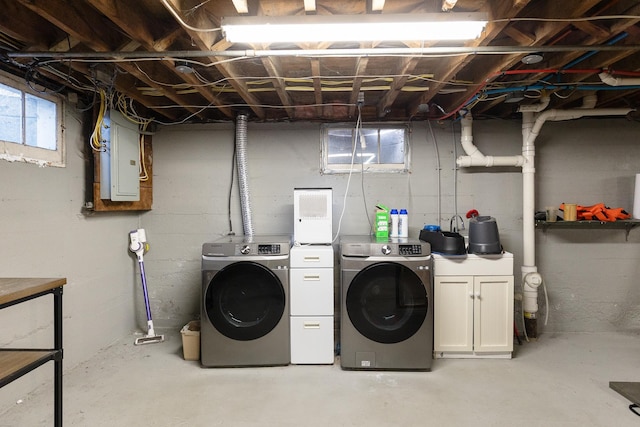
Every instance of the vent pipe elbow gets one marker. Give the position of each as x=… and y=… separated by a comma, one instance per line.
x=474, y=156
x=589, y=102
x=608, y=79
x=535, y=108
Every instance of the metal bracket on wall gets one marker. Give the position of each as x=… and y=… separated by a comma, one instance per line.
x=627, y=225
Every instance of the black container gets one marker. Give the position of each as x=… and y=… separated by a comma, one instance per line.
x=444, y=242
x=483, y=236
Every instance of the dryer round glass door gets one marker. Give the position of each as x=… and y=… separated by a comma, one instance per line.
x=387, y=302
x=244, y=301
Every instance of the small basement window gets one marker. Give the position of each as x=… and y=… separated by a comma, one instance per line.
x=371, y=148
x=30, y=125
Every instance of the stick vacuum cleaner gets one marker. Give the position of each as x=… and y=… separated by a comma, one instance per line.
x=138, y=245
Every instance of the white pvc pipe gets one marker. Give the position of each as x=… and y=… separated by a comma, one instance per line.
x=474, y=157
x=558, y=115
x=532, y=122
x=529, y=290
x=618, y=81
x=530, y=130
x=528, y=192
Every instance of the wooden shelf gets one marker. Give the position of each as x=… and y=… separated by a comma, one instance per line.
x=16, y=362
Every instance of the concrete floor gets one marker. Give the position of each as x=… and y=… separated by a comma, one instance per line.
x=559, y=380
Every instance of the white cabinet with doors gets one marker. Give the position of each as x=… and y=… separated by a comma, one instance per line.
x=473, y=307
x=311, y=280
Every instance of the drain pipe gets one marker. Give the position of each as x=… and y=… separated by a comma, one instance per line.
x=474, y=157
x=531, y=279
x=533, y=118
x=532, y=123
x=241, y=163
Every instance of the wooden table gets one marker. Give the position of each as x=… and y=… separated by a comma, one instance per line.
x=16, y=362
x=629, y=390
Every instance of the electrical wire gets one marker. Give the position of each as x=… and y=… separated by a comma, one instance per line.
x=576, y=19
x=95, y=141
x=184, y=24
x=231, y=182
x=456, y=215
x=546, y=303
x=438, y=172
x=353, y=156
x=524, y=326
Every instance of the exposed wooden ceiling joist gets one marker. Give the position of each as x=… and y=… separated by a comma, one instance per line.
x=316, y=81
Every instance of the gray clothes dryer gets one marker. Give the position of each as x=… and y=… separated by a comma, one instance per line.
x=245, y=302
x=386, y=319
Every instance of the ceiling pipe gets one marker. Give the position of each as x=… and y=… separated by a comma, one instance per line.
x=426, y=50
x=607, y=78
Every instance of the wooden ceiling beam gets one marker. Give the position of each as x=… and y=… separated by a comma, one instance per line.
x=310, y=6
x=317, y=84
x=604, y=61
x=523, y=39
x=241, y=6
x=78, y=20
x=358, y=72
x=133, y=22
x=592, y=29
x=85, y=23
x=273, y=69
x=15, y=18
x=545, y=32
x=406, y=67
x=205, y=40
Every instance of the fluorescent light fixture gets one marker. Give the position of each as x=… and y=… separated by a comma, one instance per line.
x=334, y=28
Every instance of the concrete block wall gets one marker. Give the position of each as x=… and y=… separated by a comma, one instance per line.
x=45, y=233
x=585, y=161
x=591, y=275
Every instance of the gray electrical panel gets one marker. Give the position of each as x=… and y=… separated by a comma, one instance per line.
x=119, y=159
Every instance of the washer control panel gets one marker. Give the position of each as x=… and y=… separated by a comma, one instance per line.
x=366, y=246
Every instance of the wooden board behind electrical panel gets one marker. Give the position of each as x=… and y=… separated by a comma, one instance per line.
x=146, y=187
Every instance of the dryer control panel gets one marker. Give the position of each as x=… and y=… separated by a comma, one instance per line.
x=410, y=249
x=259, y=249
x=273, y=249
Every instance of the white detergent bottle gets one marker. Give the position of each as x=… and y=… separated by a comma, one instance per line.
x=395, y=230
x=403, y=223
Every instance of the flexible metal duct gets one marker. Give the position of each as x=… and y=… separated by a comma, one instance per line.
x=243, y=185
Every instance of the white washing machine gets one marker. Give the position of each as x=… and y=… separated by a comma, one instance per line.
x=386, y=320
x=245, y=302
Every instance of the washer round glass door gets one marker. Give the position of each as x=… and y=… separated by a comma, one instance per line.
x=245, y=301
x=387, y=302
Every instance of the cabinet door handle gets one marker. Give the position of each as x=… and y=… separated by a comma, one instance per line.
x=471, y=295
x=309, y=325
x=312, y=259
x=314, y=278
x=478, y=295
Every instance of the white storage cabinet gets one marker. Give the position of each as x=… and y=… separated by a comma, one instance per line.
x=473, y=311
x=311, y=289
